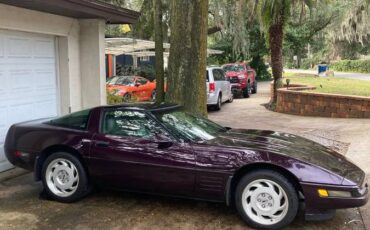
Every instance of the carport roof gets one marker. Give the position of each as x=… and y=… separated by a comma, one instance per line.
x=81, y=9
x=138, y=47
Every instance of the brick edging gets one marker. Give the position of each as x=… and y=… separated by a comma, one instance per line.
x=298, y=100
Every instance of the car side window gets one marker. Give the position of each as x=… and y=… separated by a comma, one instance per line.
x=217, y=75
x=222, y=73
x=130, y=124
x=142, y=81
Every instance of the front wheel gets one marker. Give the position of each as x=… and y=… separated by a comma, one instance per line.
x=254, y=87
x=265, y=199
x=64, y=178
x=247, y=91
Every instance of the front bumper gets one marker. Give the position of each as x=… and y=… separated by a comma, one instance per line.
x=359, y=197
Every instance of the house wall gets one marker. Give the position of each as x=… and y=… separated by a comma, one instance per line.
x=80, y=48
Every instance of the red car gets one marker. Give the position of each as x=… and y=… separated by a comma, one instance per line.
x=242, y=78
x=132, y=87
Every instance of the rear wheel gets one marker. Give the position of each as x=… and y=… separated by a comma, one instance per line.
x=265, y=199
x=126, y=97
x=254, y=87
x=64, y=178
x=231, y=99
x=219, y=102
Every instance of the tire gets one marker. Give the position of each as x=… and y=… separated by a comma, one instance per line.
x=219, y=103
x=60, y=169
x=254, y=87
x=259, y=191
x=247, y=92
x=231, y=99
x=126, y=97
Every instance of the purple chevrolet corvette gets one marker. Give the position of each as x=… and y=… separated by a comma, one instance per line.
x=146, y=148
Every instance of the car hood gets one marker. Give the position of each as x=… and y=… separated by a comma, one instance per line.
x=292, y=146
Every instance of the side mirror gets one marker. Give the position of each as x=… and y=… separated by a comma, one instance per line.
x=137, y=84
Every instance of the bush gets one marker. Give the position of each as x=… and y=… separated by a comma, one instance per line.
x=113, y=99
x=146, y=71
x=357, y=66
x=259, y=65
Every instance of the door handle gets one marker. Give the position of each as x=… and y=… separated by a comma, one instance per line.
x=103, y=144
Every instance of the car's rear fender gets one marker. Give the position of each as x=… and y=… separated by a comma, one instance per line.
x=40, y=159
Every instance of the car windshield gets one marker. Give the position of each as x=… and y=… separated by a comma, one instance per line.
x=233, y=68
x=112, y=80
x=125, y=81
x=190, y=127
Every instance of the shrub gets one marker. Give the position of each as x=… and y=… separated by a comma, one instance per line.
x=357, y=66
x=147, y=71
x=113, y=99
x=259, y=65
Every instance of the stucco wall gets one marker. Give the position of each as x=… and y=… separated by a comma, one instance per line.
x=80, y=68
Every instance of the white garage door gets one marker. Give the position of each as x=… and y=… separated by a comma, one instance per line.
x=28, y=84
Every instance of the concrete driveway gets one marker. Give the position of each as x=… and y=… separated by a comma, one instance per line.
x=21, y=208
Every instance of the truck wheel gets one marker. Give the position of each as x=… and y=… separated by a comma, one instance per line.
x=254, y=87
x=247, y=92
x=64, y=178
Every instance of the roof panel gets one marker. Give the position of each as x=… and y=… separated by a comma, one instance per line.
x=81, y=9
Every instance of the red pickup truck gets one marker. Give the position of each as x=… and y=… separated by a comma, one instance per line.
x=242, y=78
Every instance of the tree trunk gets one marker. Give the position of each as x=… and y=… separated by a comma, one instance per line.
x=159, y=69
x=276, y=44
x=188, y=55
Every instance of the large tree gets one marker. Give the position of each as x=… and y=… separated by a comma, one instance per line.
x=274, y=15
x=188, y=53
x=159, y=68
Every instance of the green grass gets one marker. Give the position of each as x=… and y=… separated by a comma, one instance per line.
x=334, y=85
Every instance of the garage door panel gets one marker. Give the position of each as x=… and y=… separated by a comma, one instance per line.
x=3, y=123
x=28, y=85
x=43, y=107
x=44, y=79
x=3, y=88
x=19, y=47
x=21, y=79
x=2, y=47
x=44, y=49
x=20, y=112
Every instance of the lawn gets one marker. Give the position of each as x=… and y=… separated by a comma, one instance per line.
x=331, y=84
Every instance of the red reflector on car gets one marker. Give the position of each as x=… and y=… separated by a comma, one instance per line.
x=18, y=153
x=212, y=87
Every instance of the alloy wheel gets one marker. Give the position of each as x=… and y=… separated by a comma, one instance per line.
x=62, y=177
x=265, y=202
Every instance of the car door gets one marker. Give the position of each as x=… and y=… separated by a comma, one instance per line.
x=226, y=86
x=144, y=91
x=132, y=151
x=221, y=83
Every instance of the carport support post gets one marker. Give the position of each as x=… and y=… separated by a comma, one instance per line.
x=92, y=61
